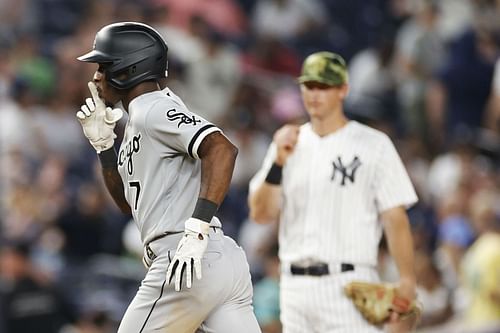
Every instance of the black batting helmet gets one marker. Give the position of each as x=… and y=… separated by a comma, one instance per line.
x=133, y=52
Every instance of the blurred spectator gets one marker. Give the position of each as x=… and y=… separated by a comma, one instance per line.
x=416, y=158
x=56, y=19
x=50, y=186
x=18, y=129
x=33, y=203
x=212, y=79
x=249, y=108
x=286, y=105
x=252, y=145
x=92, y=322
x=286, y=20
x=434, y=296
x=455, y=235
x=420, y=50
x=57, y=126
x=33, y=66
x=386, y=266
x=184, y=45
x=22, y=213
x=493, y=117
x=270, y=57
x=372, y=92
x=253, y=238
x=481, y=264
x=130, y=10
x=15, y=170
x=224, y=15
x=5, y=74
x=455, y=16
x=267, y=293
x=131, y=239
x=17, y=17
x=450, y=169
x=82, y=221
x=29, y=301
x=457, y=98
x=46, y=252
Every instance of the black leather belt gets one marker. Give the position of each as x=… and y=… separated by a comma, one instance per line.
x=318, y=269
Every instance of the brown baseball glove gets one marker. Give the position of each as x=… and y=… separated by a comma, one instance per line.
x=376, y=302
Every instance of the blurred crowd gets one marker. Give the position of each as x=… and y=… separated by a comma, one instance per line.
x=425, y=72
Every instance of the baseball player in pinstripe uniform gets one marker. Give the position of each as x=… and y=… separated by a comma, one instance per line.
x=171, y=173
x=335, y=185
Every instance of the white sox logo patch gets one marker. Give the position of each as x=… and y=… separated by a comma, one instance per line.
x=347, y=172
x=183, y=118
x=125, y=155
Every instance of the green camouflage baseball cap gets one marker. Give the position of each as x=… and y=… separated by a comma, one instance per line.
x=325, y=67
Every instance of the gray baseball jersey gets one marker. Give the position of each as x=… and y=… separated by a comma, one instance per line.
x=333, y=189
x=159, y=164
x=161, y=173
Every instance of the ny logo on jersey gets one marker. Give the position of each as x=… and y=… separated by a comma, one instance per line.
x=133, y=146
x=183, y=118
x=347, y=172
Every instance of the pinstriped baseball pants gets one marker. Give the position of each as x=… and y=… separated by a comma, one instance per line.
x=317, y=304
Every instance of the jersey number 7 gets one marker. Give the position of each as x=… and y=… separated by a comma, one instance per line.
x=137, y=186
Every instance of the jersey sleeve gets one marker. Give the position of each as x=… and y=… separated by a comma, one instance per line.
x=176, y=130
x=392, y=186
x=259, y=178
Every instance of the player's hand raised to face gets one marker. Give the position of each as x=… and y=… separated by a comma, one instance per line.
x=98, y=121
x=285, y=139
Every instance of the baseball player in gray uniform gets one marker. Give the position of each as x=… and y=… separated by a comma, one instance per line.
x=335, y=185
x=171, y=173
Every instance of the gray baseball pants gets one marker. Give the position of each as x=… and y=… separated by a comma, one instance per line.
x=221, y=302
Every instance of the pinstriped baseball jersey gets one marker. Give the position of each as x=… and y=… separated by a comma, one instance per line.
x=159, y=164
x=333, y=189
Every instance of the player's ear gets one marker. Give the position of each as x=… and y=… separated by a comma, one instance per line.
x=344, y=90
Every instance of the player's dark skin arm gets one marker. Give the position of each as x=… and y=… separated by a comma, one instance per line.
x=218, y=156
x=114, y=185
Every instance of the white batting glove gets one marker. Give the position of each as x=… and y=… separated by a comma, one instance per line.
x=189, y=252
x=98, y=121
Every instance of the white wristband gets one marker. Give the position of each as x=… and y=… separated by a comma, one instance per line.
x=196, y=225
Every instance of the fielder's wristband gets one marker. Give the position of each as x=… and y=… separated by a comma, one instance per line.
x=205, y=210
x=108, y=158
x=274, y=174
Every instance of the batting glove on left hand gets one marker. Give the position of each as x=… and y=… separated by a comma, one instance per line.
x=189, y=253
x=98, y=121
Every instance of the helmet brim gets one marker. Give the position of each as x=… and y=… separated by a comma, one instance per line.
x=96, y=56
